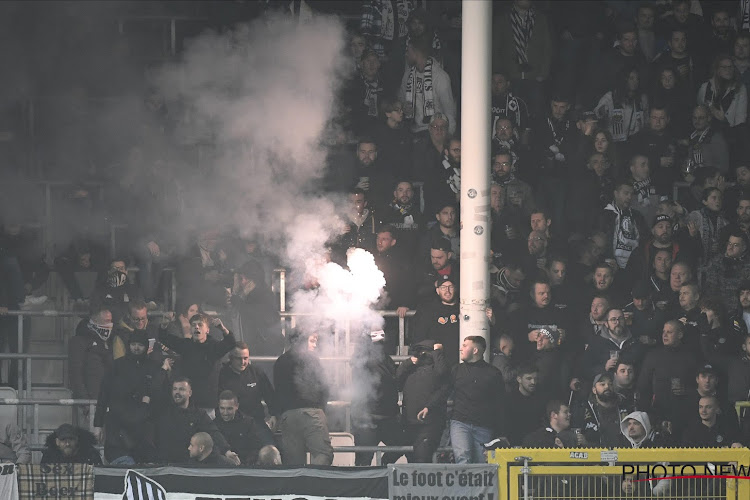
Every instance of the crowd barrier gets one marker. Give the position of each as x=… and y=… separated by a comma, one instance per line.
x=673, y=473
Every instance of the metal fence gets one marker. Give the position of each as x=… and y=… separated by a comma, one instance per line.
x=669, y=473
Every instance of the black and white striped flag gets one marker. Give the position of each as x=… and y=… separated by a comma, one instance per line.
x=139, y=487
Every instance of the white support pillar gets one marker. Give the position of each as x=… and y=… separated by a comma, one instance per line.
x=476, y=74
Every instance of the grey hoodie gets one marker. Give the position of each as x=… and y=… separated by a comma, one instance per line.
x=642, y=417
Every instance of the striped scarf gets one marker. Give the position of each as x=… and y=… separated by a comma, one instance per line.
x=523, y=27
x=428, y=108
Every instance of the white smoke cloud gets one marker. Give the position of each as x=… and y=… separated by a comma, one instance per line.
x=264, y=94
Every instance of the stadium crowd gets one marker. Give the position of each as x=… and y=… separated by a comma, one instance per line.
x=620, y=301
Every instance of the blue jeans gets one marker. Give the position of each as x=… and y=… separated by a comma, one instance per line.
x=467, y=441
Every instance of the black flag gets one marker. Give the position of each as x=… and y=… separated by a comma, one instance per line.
x=139, y=487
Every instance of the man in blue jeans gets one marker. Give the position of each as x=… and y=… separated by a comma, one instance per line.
x=478, y=402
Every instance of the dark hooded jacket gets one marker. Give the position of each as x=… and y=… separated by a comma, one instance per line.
x=121, y=410
x=424, y=384
x=89, y=359
x=85, y=454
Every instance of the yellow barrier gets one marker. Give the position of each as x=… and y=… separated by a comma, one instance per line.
x=598, y=474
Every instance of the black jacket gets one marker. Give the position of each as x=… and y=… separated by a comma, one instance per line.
x=479, y=395
x=439, y=322
x=174, y=428
x=243, y=436
x=251, y=386
x=299, y=378
x=259, y=321
x=371, y=363
x=425, y=385
x=86, y=453
x=121, y=410
x=200, y=363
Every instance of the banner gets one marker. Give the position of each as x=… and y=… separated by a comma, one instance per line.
x=178, y=483
x=8, y=482
x=55, y=481
x=442, y=482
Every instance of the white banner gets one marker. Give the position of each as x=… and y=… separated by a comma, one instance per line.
x=442, y=482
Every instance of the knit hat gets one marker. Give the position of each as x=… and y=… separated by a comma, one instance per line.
x=552, y=335
x=66, y=431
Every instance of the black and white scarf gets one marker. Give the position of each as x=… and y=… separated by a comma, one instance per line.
x=745, y=14
x=372, y=90
x=454, y=175
x=523, y=27
x=642, y=189
x=697, y=138
x=411, y=90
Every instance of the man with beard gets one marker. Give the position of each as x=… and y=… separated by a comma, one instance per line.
x=404, y=215
x=741, y=188
x=722, y=34
x=741, y=224
x=639, y=264
x=601, y=415
x=615, y=342
x=423, y=379
x=645, y=199
x=179, y=421
x=517, y=193
x=400, y=286
x=623, y=226
x=658, y=143
x=740, y=314
x=446, y=228
x=442, y=264
x=505, y=137
x=361, y=224
x=438, y=320
x=443, y=183
x=725, y=272
x=124, y=406
x=368, y=174
x=525, y=404
x=70, y=445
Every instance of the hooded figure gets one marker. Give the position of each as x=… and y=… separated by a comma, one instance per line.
x=646, y=437
x=70, y=445
x=124, y=405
